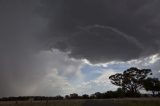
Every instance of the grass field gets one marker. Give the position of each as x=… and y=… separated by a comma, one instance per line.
x=139, y=102
x=111, y=102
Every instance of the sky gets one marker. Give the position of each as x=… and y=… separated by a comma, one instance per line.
x=58, y=47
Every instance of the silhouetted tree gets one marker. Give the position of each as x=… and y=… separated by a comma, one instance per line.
x=120, y=92
x=130, y=80
x=98, y=95
x=152, y=84
x=110, y=94
x=85, y=96
x=92, y=96
x=59, y=97
x=74, y=96
x=67, y=97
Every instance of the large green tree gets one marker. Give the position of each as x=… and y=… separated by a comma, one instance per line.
x=152, y=84
x=131, y=80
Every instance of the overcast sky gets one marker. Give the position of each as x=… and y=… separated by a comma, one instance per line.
x=58, y=47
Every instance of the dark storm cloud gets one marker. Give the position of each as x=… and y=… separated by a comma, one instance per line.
x=19, y=29
x=103, y=30
x=26, y=67
x=98, y=30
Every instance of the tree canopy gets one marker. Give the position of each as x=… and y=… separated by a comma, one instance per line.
x=152, y=84
x=131, y=79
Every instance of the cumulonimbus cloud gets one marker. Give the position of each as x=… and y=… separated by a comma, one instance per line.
x=124, y=30
x=119, y=30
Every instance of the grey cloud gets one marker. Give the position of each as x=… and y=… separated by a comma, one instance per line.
x=125, y=29
x=22, y=69
x=118, y=30
x=18, y=67
x=48, y=73
x=61, y=73
x=151, y=62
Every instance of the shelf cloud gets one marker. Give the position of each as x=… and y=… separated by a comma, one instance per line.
x=103, y=30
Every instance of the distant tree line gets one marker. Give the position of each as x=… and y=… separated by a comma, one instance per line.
x=130, y=82
x=31, y=98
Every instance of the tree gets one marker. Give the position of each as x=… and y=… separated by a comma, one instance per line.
x=110, y=94
x=130, y=80
x=92, y=96
x=85, y=96
x=152, y=84
x=98, y=95
x=120, y=92
x=59, y=97
x=74, y=96
x=67, y=97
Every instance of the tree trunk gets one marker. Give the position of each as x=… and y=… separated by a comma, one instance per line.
x=153, y=93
